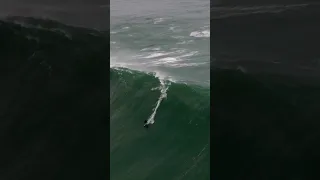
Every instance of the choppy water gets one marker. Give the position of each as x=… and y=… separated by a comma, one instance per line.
x=172, y=39
x=159, y=75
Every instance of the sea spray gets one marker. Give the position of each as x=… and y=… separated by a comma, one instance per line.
x=164, y=86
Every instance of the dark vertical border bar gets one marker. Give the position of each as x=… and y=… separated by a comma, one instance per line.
x=265, y=90
x=54, y=97
x=108, y=110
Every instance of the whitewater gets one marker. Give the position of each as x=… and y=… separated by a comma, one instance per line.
x=160, y=76
x=172, y=41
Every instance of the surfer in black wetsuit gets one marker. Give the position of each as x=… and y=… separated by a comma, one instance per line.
x=145, y=124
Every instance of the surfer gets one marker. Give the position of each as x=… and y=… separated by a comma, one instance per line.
x=146, y=124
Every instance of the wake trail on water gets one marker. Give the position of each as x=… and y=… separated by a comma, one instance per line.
x=163, y=87
x=163, y=90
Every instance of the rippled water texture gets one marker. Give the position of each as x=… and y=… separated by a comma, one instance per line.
x=171, y=40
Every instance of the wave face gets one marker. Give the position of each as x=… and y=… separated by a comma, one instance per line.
x=54, y=101
x=160, y=76
x=176, y=146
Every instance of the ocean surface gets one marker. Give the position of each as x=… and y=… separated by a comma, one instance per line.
x=160, y=77
x=264, y=79
x=172, y=40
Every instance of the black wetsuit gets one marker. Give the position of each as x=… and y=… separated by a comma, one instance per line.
x=145, y=124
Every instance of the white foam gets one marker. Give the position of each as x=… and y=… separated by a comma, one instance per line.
x=185, y=42
x=165, y=82
x=179, y=65
x=166, y=61
x=154, y=61
x=192, y=53
x=158, y=20
x=199, y=34
x=163, y=94
x=172, y=28
x=157, y=54
x=175, y=29
x=152, y=49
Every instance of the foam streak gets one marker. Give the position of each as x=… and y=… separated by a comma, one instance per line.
x=163, y=89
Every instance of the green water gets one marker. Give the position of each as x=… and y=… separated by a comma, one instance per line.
x=172, y=40
x=176, y=146
x=166, y=81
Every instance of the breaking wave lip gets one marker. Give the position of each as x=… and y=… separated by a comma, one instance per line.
x=175, y=58
x=162, y=59
x=165, y=83
x=158, y=57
